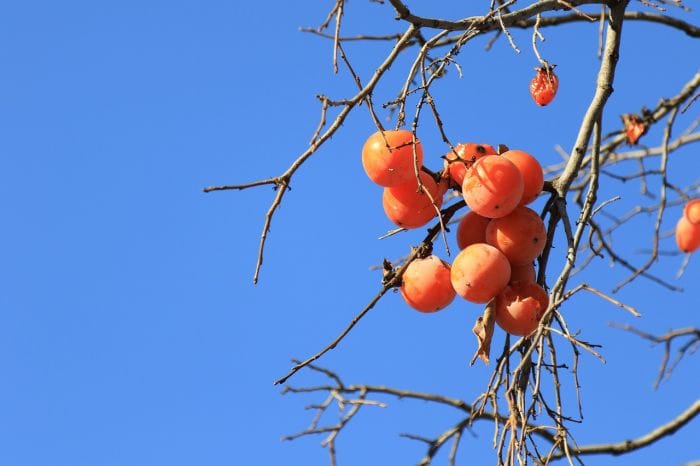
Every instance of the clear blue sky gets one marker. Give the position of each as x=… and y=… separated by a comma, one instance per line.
x=130, y=330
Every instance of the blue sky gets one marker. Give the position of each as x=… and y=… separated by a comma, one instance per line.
x=131, y=332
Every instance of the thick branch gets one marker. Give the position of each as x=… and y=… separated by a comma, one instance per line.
x=489, y=22
x=689, y=29
x=627, y=446
x=604, y=89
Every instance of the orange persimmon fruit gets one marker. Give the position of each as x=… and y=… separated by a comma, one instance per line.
x=388, y=157
x=691, y=211
x=471, y=229
x=426, y=285
x=520, y=306
x=520, y=235
x=408, y=207
x=687, y=235
x=523, y=273
x=493, y=187
x=531, y=170
x=480, y=272
x=467, y=154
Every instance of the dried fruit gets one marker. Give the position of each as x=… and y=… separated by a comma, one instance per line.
x=634, y=127
x=544, y=85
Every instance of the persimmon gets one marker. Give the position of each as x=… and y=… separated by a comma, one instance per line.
x=408, y=207
x=480, y=272
x=388, y=158
x=410, y=194
x=520, y=306
x=531, y=170
x=426, y=285
x=523, y=273
x=635, y=127
x=691, y=211
x=544, y=85
x=467, y=154
x=471, y=229
x=493, y=187
x=520, y=235
x=687, y=235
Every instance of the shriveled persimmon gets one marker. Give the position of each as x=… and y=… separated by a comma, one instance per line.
x=523, y=273
x=493, y=187
x=388, y=157
x=471, y=229
x=687, y=235
x=520, y=235
x=409, y=206
x=691, y=211
x=520, y=306
x=544, y=85
x=480, y=272
x=426, y=284
x=531, y=170
x=466, y=154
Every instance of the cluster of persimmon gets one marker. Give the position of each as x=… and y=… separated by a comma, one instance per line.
x=688, y=227
x=499, y=238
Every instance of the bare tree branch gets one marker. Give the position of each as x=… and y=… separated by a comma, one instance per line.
x=640, y=442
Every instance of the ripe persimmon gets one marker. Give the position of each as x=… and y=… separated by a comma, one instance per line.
x=687, y=235
x=480, y=272
x=520, y=235
x=467, y=154
x=426, y=284
x=408, y=207
x=388, y=158
x=493, y=187
x=691, y=211
x=471, y=229
x=523, y=273
x=531, y=170
x=520, y=306
x=411, y=194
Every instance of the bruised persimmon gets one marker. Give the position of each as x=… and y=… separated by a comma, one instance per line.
x=388, y=157
x=531, y=170
x=471, y=229
x=426, y=284
x=493, y=187
x=691, y=211
x=520, y=235
x=520, y=306
x=467, y=154
x=687, y=235
x=523, y=273
x=480, y=272
x=408, y=207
